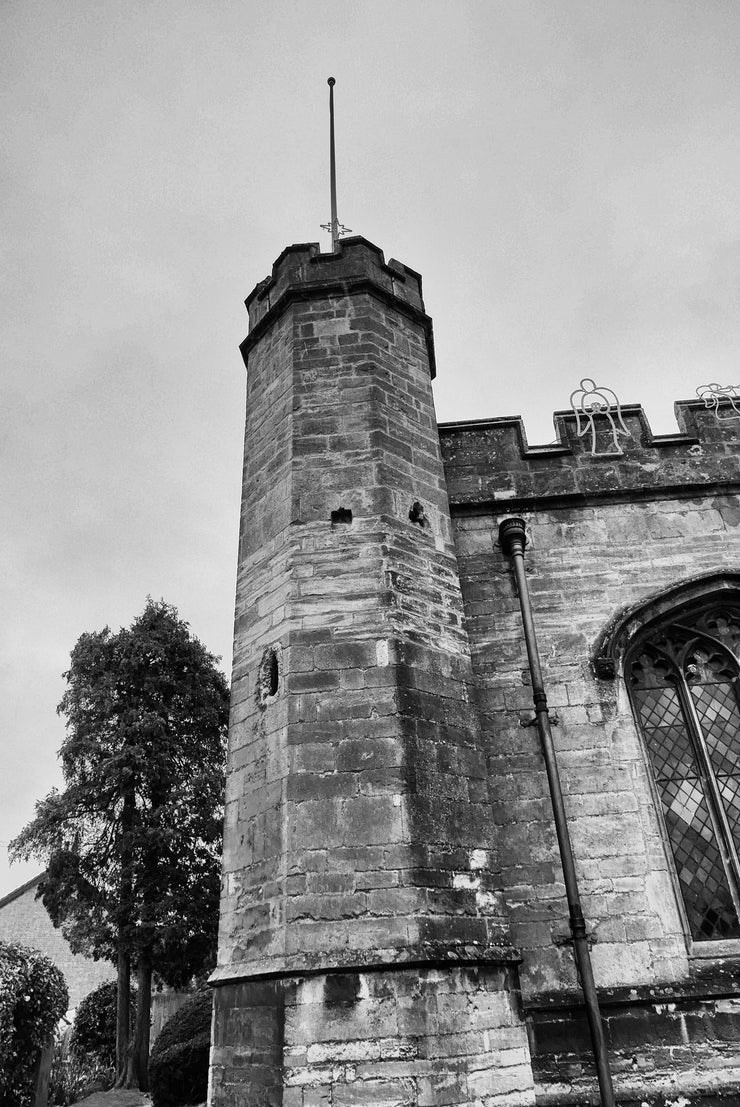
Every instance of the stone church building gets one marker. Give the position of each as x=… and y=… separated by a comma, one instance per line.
x=394, y=924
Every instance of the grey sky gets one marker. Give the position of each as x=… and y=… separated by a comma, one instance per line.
x=563, y=174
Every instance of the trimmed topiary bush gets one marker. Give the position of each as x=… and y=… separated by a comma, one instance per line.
x=94, y=1031
x=178, y=1065
x=33, y=998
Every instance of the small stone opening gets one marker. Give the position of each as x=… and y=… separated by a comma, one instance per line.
x=342, y=989
x=418, y=515
x=341, y=517
x=268, y=679
x=273, y=673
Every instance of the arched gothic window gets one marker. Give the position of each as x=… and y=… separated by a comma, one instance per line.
x=683, y=676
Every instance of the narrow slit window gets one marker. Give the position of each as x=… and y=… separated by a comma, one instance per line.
x=273, y=674
x=268, y=678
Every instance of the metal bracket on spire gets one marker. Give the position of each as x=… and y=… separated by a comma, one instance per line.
x=335, y=228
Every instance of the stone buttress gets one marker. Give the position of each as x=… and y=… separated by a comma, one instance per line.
x=364, y=954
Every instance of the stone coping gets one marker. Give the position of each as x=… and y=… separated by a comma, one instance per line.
x=425, y=955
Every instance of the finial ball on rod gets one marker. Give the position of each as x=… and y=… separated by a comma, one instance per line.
x=331, y=82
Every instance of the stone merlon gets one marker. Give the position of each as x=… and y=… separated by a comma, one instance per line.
x=303, y=272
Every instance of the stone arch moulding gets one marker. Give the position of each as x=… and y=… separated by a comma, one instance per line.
x=608, y=652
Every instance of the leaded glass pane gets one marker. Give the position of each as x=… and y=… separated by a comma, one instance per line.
x=701, y=874
x=720, y=720
x=715, y=699
x=729, y=789
x=670, y=752
x=659, y=707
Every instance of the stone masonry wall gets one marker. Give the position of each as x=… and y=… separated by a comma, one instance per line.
x=357, y=829
x=24, y=919
x=604, y=534
x=379, y=1039
x=672, y=1043
x=357, y=790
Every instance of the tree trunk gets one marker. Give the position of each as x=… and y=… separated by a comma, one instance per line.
x=143, y=1019
x=123, y=1012
x=125, y=907
x=40, y=1097
x=129, y=1078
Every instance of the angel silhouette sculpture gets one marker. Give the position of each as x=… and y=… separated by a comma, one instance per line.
x=713, y=394
x=588, y=402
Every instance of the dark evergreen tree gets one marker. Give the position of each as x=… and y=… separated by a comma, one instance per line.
x=132, y=844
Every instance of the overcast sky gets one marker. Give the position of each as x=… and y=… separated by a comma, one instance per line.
x=563, y=173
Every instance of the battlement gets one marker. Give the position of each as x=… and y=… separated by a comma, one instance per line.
x=302, y=272
x=489, y=462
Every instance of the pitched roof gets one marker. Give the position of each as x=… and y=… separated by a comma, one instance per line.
x=23, y=888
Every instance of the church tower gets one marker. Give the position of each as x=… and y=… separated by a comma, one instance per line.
x=364, y=952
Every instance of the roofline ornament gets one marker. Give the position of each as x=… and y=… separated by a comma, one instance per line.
x=715, y=395
x=591, y=402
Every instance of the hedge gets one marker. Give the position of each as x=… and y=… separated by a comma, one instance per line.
x=178, y=1065
x=33, y=998
x=94, y=1031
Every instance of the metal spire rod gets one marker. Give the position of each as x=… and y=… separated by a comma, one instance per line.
x=333, y=169
x=513, y=539
x=335, y=228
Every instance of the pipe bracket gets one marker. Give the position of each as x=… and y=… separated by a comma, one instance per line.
x=552, y=716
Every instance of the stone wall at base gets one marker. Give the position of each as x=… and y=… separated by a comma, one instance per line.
x=420, y=1036
x=664, y=1041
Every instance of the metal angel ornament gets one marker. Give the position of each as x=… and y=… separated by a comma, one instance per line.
x=714, y=394
x=592, y=400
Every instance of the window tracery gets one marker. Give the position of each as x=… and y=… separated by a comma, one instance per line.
x=683, y=678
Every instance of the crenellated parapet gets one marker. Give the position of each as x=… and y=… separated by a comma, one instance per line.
x=302, y=272
x=490, y=463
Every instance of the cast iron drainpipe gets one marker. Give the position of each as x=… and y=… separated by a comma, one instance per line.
x=513, y=539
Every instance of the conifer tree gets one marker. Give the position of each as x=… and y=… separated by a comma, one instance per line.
x=132, y=843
